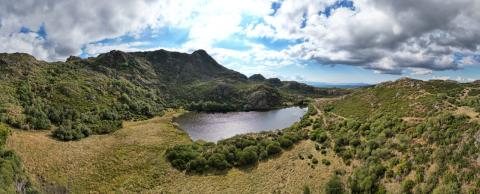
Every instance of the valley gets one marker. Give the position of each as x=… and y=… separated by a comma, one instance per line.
x=130, y=160
x=106, y=125
x=240, y=97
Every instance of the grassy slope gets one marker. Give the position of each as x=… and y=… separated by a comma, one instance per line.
x=403, y=98
x=131, y=160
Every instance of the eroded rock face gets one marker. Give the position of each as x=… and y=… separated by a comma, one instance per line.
x=73, y=58
x=223, y=92
x=263, y=97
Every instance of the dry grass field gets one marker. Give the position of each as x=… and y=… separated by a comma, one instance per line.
x=131, y=160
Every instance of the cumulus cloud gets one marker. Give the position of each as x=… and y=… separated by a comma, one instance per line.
x=458, y=78
x=386, y=36
x=70, y=24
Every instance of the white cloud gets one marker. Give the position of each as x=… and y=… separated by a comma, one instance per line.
x=441, y=78
x=420, y=71
x=458, y=78
x=72, y=24
x=387, y=36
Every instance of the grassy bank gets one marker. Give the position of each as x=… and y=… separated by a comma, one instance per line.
x=131, y=160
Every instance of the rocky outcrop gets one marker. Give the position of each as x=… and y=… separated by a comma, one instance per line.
x=256, y=78
x=263, y=98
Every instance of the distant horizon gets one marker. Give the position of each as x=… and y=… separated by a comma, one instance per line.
x=335, y=41
x=309, y=82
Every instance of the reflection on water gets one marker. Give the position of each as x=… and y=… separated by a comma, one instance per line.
x=217, y=126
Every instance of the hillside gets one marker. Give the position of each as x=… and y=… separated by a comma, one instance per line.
x=405, y=136
x=93, y=95
x=81, y=97
x=409, y=136
x=404, y=98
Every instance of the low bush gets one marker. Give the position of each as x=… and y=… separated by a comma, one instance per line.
x=334, y=186
x=326, y=162
x=274, y=148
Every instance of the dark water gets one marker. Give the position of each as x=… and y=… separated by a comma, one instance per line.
x=216, y=126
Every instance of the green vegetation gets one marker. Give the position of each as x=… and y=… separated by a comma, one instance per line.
x=407, y=136
x=12, y=176
x=387, y=149
x=334, y=186
x=406, y=133
x=82, y=97
x=306, y=190
x=405, y=97
x=239, y=151
x=131, y=160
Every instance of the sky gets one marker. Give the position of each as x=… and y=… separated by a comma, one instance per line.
x=335, y=41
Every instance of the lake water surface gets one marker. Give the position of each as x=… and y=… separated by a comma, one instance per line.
x=216, y=126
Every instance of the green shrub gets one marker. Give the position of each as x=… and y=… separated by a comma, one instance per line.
x=4, y=133
x=274, y=148
x=301, y=157
x=11, y=171
x=197, y=165
x=366, y=179
x=248, y=156
x=217, y=161
x=285, y=142
x=326, y=162
x=312, y=110
x=334, y=186
x=181, y=155
x=69, y=132
x=36, y=117
x=407, y=186
x=319, y=135
x=306, y=190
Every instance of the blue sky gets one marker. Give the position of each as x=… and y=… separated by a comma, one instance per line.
x=338, y=41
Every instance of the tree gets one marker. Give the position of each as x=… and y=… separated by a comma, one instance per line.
x=273, y=148
x=285, y=142
x=37, y=118
x=248, y=156
x=407, y=186
x=306, y=190
x=334, y=186
x=447, y=189
x=180, y=155
x=197, y=165
x=218, y=162
x=319, y=135
x=4, y=132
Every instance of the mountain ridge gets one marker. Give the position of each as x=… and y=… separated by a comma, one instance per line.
x=119, y=85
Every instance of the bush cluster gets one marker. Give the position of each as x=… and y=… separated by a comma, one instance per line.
x=72, y=114
x=11, y=171
x=238, y=151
